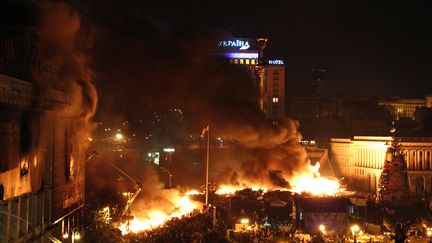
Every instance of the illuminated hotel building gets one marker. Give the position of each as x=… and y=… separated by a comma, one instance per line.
x=270, y=74
x=405, y=108
x=360, y=161
x=274, y=90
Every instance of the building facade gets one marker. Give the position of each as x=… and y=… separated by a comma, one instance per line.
x=41, y=163
x=274, y=90
x=360, y=161
x=269, y=74
x=405, y=108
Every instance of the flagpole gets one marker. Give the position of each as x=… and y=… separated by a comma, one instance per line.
x=207, y=164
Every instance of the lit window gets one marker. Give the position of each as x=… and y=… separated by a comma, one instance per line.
x=252, y=62
x=275, y=99
x=235, y=61
x=241, y=61
x=247, y=61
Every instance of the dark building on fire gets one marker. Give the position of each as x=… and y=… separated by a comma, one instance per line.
x=41, y=167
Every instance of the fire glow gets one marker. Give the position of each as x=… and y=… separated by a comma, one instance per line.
x=182, y=206
x=309, y=181
x=231, y=189
x=312, y=182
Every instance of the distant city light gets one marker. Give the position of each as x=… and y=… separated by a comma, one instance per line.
x=119, y=136
x=169, y=150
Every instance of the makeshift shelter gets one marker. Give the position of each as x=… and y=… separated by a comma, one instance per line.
x=332, y=212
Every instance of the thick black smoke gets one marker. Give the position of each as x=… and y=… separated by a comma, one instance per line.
x=142, y=59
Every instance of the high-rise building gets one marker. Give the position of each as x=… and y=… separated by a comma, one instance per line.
x=274, y=90
x=319, y=82
x=270, y=74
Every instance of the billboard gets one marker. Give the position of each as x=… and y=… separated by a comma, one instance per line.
x=237, y=48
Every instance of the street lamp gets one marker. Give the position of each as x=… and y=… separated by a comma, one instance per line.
x=429, y=234
x=322, y=228
x=169, y=175
x=354, y=229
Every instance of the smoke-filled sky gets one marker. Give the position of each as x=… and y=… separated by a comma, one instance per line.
x=142, y=56
x=368, y=48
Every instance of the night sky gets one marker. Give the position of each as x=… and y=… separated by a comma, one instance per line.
x=367, y=47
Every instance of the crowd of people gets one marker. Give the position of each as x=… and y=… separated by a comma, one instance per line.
x=197, y=227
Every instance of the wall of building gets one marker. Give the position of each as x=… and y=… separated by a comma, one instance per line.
x=405, y=108
x=40, y=181
x=274, y=91
x=361, y=159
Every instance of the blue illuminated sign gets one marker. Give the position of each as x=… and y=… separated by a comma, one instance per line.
x=240, y=44
x=241, y=55
x=275, y=62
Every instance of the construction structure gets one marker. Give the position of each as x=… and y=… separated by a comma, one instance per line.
x=393, y=183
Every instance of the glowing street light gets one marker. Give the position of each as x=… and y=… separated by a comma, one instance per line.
x=119, y=136
x=322, y=228
x=429, y=234
x=77, y=235
x=354, y=229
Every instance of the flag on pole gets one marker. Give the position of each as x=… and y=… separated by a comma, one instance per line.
x=205, y=129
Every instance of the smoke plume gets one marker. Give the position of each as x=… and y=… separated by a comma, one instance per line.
x=63, y=43
x=143, y=59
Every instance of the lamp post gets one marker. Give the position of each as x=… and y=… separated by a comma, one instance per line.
x=322, y=229
x=169, y=175
x=354, y=229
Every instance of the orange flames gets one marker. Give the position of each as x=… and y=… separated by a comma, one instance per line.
x=231, y=189
x=155, y=217
x=312, y=182
x=309, y=181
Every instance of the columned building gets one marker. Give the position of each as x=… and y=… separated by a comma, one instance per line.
x=360, y=161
